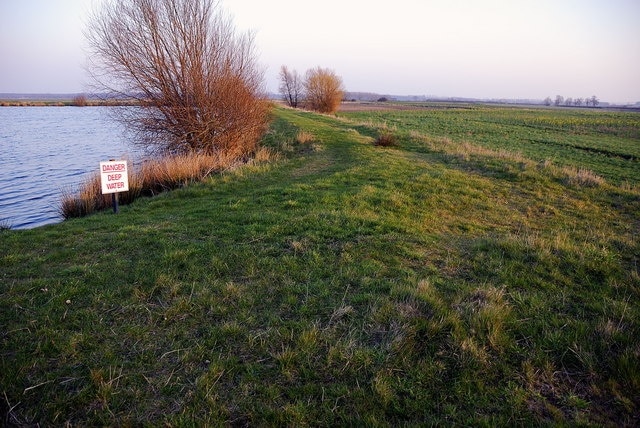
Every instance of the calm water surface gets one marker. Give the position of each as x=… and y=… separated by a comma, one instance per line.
x=47, y=150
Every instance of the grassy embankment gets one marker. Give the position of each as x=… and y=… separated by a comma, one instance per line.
x=430, y=282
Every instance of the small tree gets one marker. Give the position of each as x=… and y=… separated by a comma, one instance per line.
x=595, y=101
x=290, y=86
x=548, y=101
x=323, y=89
x=196, y=79
x=559, y=100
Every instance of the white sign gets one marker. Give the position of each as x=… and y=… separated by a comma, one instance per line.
x=114, y=176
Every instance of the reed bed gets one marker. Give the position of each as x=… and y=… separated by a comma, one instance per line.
x=152, y=177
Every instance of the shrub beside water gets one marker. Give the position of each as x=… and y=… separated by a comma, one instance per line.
x=79, y=101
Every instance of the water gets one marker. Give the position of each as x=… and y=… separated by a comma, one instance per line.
x=45, y=151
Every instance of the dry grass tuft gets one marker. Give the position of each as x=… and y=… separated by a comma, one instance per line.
x=573, y=176
x=386, y=139
x=304, y=137
x=582, y=177
x=486, y=313
x=265, y=154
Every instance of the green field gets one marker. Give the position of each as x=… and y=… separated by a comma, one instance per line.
x=606, y=142
x=481, y=271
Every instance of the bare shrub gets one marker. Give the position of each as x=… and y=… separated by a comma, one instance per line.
x=196, y=80
x=323, y=89
x=79, y=101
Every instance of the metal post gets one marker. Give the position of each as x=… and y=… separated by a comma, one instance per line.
x=114, y=198
x=114, y=201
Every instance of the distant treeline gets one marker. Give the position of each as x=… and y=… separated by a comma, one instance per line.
x=45, y=100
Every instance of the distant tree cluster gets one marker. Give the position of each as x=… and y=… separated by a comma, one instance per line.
x=321, y=89
x=572, y=102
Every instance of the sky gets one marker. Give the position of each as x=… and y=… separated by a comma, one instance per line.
x=451, y=48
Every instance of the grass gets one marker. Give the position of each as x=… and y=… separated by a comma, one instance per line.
x=344, y=284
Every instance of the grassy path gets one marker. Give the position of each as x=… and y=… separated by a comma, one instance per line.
x=344, y=284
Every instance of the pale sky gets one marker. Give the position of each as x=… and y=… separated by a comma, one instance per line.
x=462, y=48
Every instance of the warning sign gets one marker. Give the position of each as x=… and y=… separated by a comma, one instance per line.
x=114, y=176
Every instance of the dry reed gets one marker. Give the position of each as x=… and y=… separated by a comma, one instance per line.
x=304, y=137
x=150, y=178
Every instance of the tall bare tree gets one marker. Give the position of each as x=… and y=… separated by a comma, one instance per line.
x=197, y=80
x=291, y=86
x=324, y=90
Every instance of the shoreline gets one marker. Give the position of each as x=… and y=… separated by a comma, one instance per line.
x=65, y=103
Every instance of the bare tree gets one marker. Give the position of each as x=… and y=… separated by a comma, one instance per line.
x=568, y=101
x=595, y=101
x=291, y=86
x=547, y=101
x=323, y=89
x=559, y=100
x=196, y=80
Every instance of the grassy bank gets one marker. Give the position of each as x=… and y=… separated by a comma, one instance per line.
x=153, y=176
x=431, y=281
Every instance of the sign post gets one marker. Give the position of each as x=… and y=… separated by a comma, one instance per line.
x=114, y=177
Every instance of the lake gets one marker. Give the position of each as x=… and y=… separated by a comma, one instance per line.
x=45, y=151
